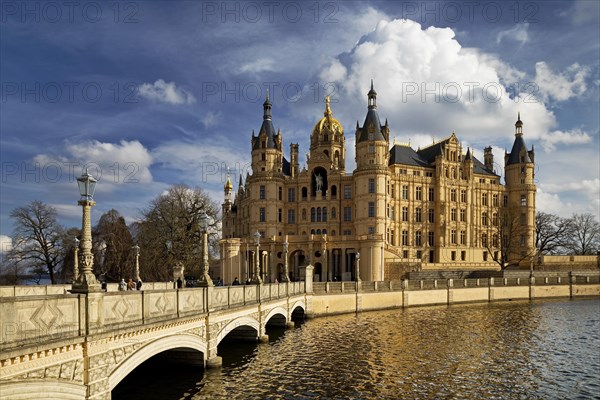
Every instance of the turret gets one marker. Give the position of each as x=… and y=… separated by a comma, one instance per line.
x=294, y=163
x=372, y=147
x=267, y=155
x=488, y=159
x=519, y=176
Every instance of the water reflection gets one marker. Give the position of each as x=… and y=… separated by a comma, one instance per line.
x=516, y=350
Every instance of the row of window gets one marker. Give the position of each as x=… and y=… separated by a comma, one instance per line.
x=418, y=194
x=317, y=214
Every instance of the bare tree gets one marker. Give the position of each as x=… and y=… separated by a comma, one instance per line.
x=37, y=239
x=551, y=232
x=585, y=235
x=507, y=241
x=169, y=231
x=112, y=247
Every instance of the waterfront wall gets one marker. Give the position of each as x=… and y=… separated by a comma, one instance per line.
x=338, y=298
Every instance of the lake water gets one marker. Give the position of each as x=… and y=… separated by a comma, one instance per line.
x=510, y=350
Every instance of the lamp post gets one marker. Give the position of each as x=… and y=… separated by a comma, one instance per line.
x=86, y=281
x=205, y=277
x=136, y=251
x=256, y=279
x=357, y=272
x=75, y=259
x=286, y=247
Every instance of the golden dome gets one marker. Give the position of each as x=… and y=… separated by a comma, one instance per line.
x=228, y=184
x=328, y=122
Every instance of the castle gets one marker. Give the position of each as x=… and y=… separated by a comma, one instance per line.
x=400, y=210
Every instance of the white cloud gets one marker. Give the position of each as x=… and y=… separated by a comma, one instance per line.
x=420, y=73
x=211, y=119
x=5, y=244
x=209, y=161
x=584, y=11
x=260, y=65
x=112, y=163
x=517, y=33
x=166, y=92
x=561, y=86
x=550, y=203
x=333, y=72
x=575, y=136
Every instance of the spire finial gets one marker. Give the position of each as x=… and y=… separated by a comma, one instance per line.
x=327, y=107
x=267, y=94
x=372, y=84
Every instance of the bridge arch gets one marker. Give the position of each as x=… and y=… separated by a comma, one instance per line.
x=42, y=389
x=153, y=348
x=275, y=311
x=236, y=323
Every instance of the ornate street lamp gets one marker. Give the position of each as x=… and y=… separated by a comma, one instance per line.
x=357, y=279
x=86, y=281
x=286, y=275
x=136, y=252
x=75, y=259
x=256, y=279
x=205, y=221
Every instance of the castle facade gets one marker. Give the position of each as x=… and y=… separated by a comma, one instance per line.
x=400, y=210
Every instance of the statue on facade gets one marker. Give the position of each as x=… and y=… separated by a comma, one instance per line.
x=319, y=182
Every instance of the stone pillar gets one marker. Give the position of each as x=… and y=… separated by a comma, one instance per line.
x=309, y=279
x=86, y=281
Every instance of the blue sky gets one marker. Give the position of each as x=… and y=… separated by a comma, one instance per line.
x=153, y=93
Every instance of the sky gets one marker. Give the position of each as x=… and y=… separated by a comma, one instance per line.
x=147, y=94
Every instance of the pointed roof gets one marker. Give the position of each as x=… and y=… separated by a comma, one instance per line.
x=266, y=128
x=519, y=148
x=468, y=155
x=372, y=123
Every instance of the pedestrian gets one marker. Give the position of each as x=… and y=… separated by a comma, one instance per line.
x=179, y=283
x=248, y=281
x=235, y=282
x=130, y=284
x=122, y=285
x=138, y=284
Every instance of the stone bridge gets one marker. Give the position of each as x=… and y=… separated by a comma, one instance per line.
x=80, y=346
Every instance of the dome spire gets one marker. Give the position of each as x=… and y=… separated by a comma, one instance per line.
x=267, y=107
x=372, y=96
x=519, y=125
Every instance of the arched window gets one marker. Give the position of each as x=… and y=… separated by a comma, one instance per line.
x=304, y=214
x=318, y=214
x=333, y=191
x=324, y=214
x=332, y=212
x=324, y=231
x=313, y=215
x=318, y=231
x=304, y=193
x=312, y=231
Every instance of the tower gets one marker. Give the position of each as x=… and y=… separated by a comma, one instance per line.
x=267, y=155
x=519, y=212
x=371, y=178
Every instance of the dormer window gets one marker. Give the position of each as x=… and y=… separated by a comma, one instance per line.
x=371, y=135
x=264, y=144
x=326, y=138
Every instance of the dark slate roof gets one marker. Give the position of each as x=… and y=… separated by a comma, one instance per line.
x=371, y=118
x=287, y=170
x=267, y=126
x=518, y=146
x=479, y=168
x=407, y=156
x=429, y=153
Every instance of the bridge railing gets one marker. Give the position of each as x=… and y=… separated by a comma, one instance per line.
x=518, y=279
x=33, y=319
